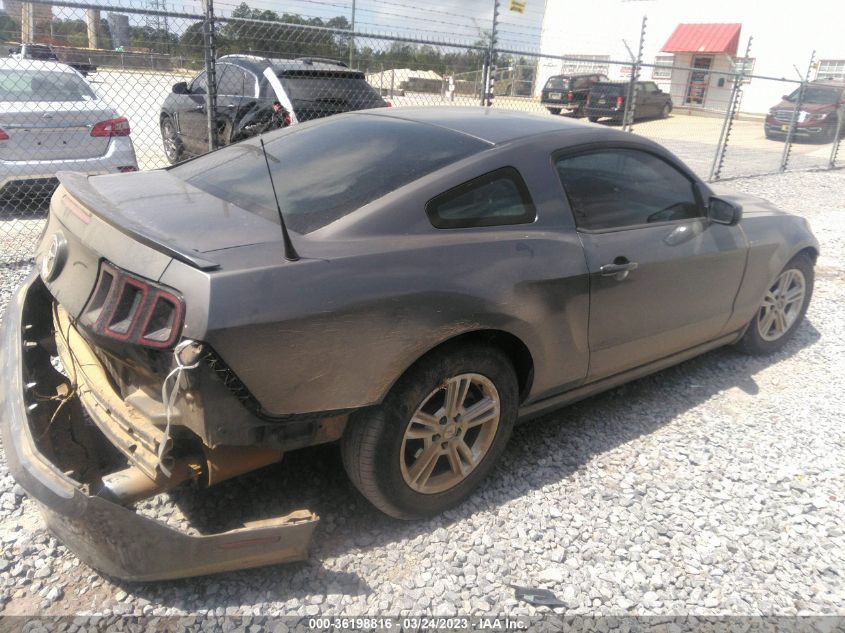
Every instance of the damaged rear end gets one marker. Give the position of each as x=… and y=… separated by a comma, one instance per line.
x=106, y=397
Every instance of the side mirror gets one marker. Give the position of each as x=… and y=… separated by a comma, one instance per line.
x=724, y=212
x=180, y=88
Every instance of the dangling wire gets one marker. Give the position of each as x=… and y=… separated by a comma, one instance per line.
x=169, y=399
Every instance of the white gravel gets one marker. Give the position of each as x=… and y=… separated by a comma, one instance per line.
x=715, y=487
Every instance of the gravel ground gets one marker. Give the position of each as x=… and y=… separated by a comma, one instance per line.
x=714, y=487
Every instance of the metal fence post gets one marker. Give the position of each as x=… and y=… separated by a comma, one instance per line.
x=787, y=149
x=631, y=100
x=730, y=117
x=489, y=77
x=837, y=139
x=210, y=51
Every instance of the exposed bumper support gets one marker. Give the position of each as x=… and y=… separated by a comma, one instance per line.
x=107, y=536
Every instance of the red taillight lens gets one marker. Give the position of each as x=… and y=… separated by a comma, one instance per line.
x=387, y=104
x=619, y=102
x=133, y=310
x=570, y=96
x=3, y=135
x=126, y=169
x=286, y=120
x=112, y=127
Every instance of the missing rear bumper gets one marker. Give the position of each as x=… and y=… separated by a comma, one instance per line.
x=108, y=537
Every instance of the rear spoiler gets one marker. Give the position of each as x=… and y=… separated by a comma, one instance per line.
x=78, y=186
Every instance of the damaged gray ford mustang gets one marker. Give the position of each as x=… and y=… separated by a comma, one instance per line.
x=407, y=282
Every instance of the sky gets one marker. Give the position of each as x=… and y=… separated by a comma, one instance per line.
x=457, y=21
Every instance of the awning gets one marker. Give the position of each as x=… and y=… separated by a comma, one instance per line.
x=704, y=38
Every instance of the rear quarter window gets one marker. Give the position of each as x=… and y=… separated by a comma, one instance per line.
x=494, y=199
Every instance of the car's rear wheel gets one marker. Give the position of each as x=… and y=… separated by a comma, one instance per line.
x=592, y=119
x=173, y=148
x=782, y=309
x=437, y=434
x=667, y=108
x=554, y=110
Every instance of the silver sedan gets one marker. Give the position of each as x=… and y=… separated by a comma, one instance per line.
x=51, y=120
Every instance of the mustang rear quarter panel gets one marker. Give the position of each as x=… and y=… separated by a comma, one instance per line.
x=336, y=329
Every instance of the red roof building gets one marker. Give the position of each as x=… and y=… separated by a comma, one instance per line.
x=704, y=38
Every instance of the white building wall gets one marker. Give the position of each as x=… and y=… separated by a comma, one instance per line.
x=599, y=26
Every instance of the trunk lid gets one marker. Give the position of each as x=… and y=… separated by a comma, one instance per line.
x=53, y=130
x=170, y=215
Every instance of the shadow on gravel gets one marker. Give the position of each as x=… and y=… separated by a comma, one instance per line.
x=540, y=453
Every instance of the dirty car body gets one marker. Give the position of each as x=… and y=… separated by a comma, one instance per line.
x=193, y=349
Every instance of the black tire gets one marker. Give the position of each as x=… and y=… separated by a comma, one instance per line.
x=667, y=108
x=372, y=443
x=593, y=119
x=554, y=110
x=753, y=341
x=174, y=150
x=578, y=113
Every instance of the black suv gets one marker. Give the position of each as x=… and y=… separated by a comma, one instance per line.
x=568, y=92
x=256, y=94
x=607, y=99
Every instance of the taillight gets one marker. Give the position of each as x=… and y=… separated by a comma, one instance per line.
x=588, y=99
x=387, y=104
x=3, y=135
x=133, y=310
x=286, y=120
x=125, y=169
x=619, y=102
x=112, y=127
x=570, y=96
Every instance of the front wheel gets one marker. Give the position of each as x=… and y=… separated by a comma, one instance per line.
x=667, y=108
x=592, y=119
x=437, y=434
x=554, y=111
x=782, y=310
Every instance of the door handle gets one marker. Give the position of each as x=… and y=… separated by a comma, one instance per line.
x=619, y=269
x=199, y=108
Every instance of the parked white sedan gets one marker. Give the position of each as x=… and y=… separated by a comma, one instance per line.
x=51, y=120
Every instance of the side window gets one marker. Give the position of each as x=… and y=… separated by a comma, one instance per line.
x=650, y=86
x=199, y=86
x=236, y=82
x=617, y=188
x=498, y=198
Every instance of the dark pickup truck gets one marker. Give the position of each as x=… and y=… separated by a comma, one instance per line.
x=45, y=53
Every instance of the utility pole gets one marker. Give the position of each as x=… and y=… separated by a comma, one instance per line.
x=352, y=37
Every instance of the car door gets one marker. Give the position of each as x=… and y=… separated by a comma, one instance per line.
x=191, y=116
x=233, y=86
x=662, y=276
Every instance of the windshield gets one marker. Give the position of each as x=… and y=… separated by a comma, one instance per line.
x=39, y=85
x=609, y=89
x=557, y=83
x=816, y=94
x=325, y=171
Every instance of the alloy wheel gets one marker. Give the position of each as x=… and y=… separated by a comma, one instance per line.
x=450, y=433
x=781, y=305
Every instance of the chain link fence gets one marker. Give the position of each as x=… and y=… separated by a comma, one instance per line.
x=152, y=87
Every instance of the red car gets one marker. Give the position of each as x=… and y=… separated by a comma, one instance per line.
x=822, y=108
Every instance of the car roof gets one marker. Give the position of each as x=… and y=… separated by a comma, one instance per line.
x=492, y=125
x=257, y=64
x=10, y=63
